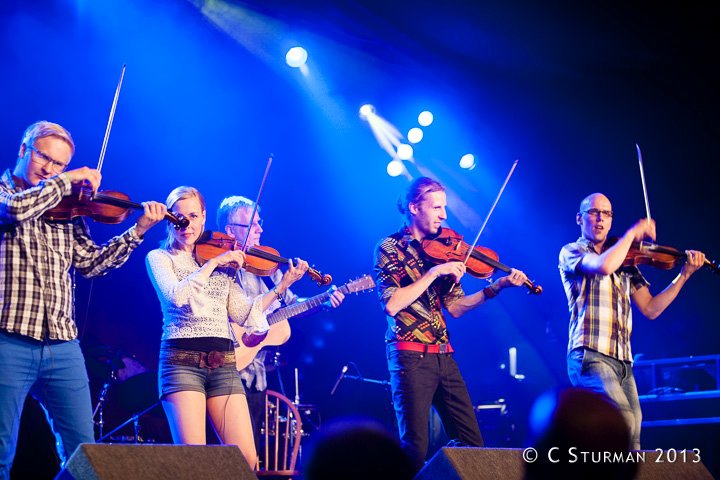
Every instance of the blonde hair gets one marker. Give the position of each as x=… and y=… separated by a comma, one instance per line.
x=44, y=129
x=179, y=193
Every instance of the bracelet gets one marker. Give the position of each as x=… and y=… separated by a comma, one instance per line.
x=277, y=294
x=490, y=292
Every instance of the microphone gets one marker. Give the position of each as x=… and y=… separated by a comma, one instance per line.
x=339, y=379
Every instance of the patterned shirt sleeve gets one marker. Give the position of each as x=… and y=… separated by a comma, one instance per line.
x=93, y=260
x=21, y=206
x=570, y=257
x=175, y=292
x=388, y=274
x=245, y=311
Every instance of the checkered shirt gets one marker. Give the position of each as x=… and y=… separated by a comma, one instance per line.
x=600, y=308
x=36, y=256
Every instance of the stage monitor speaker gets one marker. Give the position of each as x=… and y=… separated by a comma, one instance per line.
x=508, y=464
x=172, y=462
x=461, y=463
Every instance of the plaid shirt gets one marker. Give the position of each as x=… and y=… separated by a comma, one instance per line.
x=36, y=256
x=398, y=263
x=600, y=309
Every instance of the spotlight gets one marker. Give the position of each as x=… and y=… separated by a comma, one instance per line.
x=425, y=118
x=467, y=161
x=296, y=57
x=415, y=135
x=404, y=151
x=395, y=168
x=366, y=110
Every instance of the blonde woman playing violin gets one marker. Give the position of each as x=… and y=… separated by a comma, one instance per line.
x=197, y=374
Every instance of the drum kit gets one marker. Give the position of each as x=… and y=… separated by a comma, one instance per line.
x=127, y=409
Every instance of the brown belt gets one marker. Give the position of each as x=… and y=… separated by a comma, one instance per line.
x=438, y=348
x=191, y=358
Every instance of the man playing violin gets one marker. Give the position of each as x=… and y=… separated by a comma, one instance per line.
x=413, y=292
x=39, y=350
x=233, y=217
x=599, y=291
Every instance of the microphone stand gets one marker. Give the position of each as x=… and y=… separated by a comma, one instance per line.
x=368, y=380
x=135, y=419
x=101, y=402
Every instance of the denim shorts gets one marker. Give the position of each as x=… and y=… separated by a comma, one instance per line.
x=214, y=382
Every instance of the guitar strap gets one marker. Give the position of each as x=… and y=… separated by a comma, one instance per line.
x=270, y=285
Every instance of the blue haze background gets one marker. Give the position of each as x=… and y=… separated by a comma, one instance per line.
x=566, y=89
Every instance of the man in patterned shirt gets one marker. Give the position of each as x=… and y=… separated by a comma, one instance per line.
x=39, y=350
x=599, y=291
x=413, y=294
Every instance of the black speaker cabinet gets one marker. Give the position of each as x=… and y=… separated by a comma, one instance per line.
x=172, y=462
x=508, y=464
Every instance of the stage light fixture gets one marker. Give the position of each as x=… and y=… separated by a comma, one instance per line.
x=425, y=118
x=296, y=57
x=415, y=134
x=366, y=110
x=467, y=161
x=395, y=168
x=404, y=151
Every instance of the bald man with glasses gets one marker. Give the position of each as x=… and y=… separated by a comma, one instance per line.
x=600, y=292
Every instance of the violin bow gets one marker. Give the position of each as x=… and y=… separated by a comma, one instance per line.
x=487, y=217
x=257, y=201
x=642, y=177
x=110, y=120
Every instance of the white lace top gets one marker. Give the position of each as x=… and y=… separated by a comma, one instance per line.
x=194, y=307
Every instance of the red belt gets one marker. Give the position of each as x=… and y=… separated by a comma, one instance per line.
x=439, y=348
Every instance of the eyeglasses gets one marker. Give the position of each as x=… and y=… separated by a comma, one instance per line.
x=259, y=223
x=44, y=159
x=596, y=211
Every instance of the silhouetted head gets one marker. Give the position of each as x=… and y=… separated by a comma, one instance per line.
x=352, y=449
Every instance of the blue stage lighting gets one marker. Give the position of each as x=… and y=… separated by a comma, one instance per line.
x=404, y=151
x=366, y=110
x=415, y=135
x=395, y=168
x=425, y=118
x=467, y=161
x=296, y=57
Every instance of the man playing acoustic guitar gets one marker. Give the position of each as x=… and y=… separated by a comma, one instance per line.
x=233, y=218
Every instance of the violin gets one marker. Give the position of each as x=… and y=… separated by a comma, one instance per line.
x=658, y=256
x=109, y=207
x=260, y=260
x=448, y=246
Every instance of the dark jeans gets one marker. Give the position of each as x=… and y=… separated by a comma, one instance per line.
x=420, y=380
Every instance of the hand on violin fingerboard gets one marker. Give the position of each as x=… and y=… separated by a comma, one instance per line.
x=516, y=278
x=695, y=260
x=85, y=177
x=295, y=272
x=153, y=213
x=455, y=269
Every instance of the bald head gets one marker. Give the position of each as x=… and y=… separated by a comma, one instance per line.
x=590, y=199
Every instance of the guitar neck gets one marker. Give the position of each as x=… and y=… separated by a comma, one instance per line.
x=300, y=307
